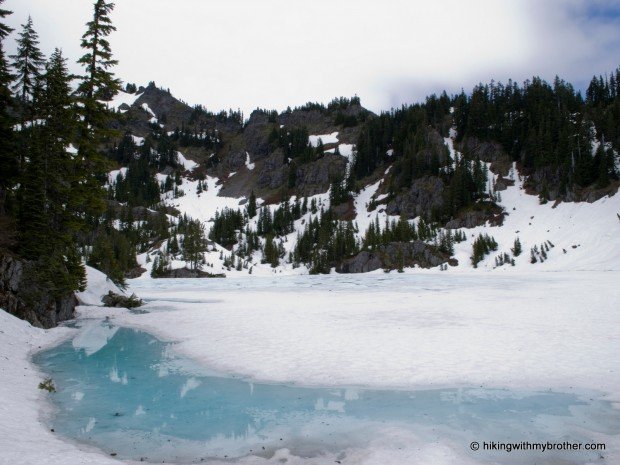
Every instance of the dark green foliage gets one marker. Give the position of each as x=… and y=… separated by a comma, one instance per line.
x=483, y=245
x=251, y=208
x=117, y=300
x=294, y=143
x=194, y=244
x=27, y=62
x=517, y=248
x=161, y=266
x=47, y=385
x=401, y=231
x=546, y=127
x=8, y=155
x=50, y=207
x=503, y=259
x=201, y=138
x=271, y=254
x=97, y=86
x=543, y=125
x=338, y=193
x=113, y=253
x=281, y=222
x=138, y=187
x=445, y=242
x=226, y=225
x=324, y=243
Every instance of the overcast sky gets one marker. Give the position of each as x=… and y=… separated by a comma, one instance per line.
x=274, y=53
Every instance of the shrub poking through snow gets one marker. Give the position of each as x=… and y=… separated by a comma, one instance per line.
x=48, y=385
x=117, y=300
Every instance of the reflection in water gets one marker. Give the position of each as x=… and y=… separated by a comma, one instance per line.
x=125, y=391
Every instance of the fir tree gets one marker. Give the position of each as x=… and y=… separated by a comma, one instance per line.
x=97, y=86
x=49, y=213
x=517, y=248
x=8, y=160
x=28, y=62
x=252, y=206
x=194, y=244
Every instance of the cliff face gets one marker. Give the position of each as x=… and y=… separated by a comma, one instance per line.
x=241, y=144
x=23, y=298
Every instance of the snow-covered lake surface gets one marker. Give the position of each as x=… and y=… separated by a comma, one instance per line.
x=437, y=360
x=135, y=398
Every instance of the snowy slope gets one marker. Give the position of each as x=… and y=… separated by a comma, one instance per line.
x=575, y=236
x=583, y=236
x=98, y=286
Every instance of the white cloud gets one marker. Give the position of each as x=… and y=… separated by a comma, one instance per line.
x=274, y=53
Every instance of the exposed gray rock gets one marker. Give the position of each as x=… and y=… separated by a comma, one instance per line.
x=274, y=172
x=315, y=121
x=424, y=196
x=363, y=262
x=501, y=184
x=489, y=152
x=235, y=160
x=187, y=273
x=396, y=255
x=315, y=178
x=483, y=213
x=256, y=135
x=21, y=296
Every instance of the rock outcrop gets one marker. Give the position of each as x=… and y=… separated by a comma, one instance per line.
x=21, y=296
x=424, y=196
x=396, y=255
x=187, y=273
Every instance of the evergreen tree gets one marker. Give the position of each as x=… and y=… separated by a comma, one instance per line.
x=97, y=86
x=49, y=213
x=517, y=248
x=252, y=206
x=194, y=244
x=8, y=160
x=28, y=62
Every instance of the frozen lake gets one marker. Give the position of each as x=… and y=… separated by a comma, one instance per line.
x=389, y=369
x=133, y=396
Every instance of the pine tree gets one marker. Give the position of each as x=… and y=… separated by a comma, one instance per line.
x=28, y=62
x=252, y=206
x=97, y=86
x=49, y=213
x=517, y=248
x=194, y=244
x=8, y=160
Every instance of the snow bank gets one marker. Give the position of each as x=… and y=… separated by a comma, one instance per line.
x=98, y=286
x=24, y=439
x=146, y=108
x=122, y=98
x=187, y=164
x=250, y=166
x=325, y=138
